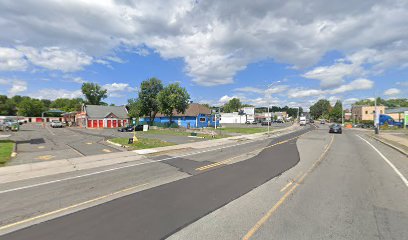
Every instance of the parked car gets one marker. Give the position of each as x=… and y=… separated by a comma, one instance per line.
x=266, y=123
x=56, y=124
x=254, y=122
x=335, y=128
x=131, y=128
x=322, y=121
x=311, y=121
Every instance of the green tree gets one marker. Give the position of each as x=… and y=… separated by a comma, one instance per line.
x=67, y=105
x=149, y=105
x=134, y=108
x=7, y=106
x=31, y=108
x=93, y=93
x=320, y=108
x=232, y=105
x=173, y=97
x=336, y=112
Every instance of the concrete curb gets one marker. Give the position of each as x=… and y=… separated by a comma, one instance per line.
x=116, y=144
x=390, y=145
x=14, y=153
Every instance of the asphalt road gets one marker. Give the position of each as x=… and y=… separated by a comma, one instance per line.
x=348, y=192
x=180, y=202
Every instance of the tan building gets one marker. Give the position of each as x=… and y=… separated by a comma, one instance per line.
x=365, y=113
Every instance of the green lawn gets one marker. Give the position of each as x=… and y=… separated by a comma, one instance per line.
x=6, y=148
x=243, y=130
x=181, y=133
x=143, y=143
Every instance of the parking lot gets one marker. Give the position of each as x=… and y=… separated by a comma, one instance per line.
x=36, y=143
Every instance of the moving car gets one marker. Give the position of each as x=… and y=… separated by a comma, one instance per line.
x=131, y=128
x=322, y=121
x=302, y=121
x=335, y=128
x=311, y=121
x=56, y=124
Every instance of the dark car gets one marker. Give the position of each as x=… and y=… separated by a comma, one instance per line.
x=266, y=123
x=131, y=128
x=335, y=128
x=311, y=121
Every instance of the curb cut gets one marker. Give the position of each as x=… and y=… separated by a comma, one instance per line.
x=116, y=144
x=390, y=145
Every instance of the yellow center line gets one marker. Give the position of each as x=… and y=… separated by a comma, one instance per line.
x=230, y=159
x=265, y=218
x=286, y=186
x=69, y=207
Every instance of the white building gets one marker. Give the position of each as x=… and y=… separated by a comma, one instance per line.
x=245, y=114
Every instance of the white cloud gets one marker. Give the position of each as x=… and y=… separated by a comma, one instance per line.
x=392, y=92
x=249, y=89
x=16, y=86
x=56, y=58
x=52, y=94
x=115, y=89
x=216, y=39
x=358, y=84
x=224, y=99
x=332, y=76
x=12, y=60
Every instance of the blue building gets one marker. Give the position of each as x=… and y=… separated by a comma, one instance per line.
x=196, y=116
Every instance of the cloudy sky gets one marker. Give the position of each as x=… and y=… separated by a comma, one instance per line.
x=264, y=52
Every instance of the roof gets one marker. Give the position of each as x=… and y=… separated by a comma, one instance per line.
x=194, y=109
x=396, y=110
x=98, y=111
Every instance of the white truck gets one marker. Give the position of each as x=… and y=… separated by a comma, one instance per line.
x=302, y=121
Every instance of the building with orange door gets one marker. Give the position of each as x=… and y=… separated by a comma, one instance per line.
x=97, y=116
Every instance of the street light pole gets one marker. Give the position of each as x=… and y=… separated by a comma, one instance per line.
x=269, y=122
x=342, y=115
x=376, y=122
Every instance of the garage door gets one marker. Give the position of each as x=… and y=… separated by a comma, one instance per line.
x=89, y=123
x=114, y=123
x=101, y=123
x=95, y=123
x=109, y=123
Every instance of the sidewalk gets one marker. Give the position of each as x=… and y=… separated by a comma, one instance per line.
x=33, y=170
x=398, y=141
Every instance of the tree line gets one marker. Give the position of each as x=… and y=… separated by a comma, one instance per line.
x=33, y=107
x=154, y=97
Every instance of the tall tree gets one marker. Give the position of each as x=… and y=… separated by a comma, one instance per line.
x=93, y=93
x=67, y=105
x=149, y=105
x=173, y=97
x=320, y=109
x=7, y=106
x=31, y=108
x=336, y=112
x=232, y=105
x=134, y=108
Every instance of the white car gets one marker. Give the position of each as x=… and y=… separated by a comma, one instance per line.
x=56, y=124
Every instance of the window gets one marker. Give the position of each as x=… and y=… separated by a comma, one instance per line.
x=202, y=119
x=366, y=112
x=381, y=111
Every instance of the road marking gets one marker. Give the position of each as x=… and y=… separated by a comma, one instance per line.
x=41, y=147
x=387, y=161
x=269, y=214
x=230, y=159
x=45, y=157
x=89, y=143
x=106, y=150
x=286, y=186
x=69, y=207
x=49, y=130
x=122, y=167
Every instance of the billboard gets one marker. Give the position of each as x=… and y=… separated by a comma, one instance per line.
x=405, y=118
x=249, y=110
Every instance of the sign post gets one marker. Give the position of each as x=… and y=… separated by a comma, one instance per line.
x=405, y=119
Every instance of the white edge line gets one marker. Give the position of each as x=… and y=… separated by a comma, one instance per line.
x=122, y=167
x=387, y=161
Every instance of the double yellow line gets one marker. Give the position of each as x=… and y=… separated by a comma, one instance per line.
x=230, y=159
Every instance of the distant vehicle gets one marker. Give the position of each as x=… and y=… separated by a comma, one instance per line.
x=21, y=121
x=56, y=124
x=131, y=128
x=311, y=121
x=322, y=121
x=385, y=119
x=279, y=121
x=254, y=122
x=266, y=123
x=335, y=128
x=9, y=125
x=302, y=121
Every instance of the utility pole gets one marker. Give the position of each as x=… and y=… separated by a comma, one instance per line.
x=269, y=121
x=342, y=115
x=376, y=122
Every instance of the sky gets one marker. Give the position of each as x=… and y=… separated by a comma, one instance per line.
x=265, y=52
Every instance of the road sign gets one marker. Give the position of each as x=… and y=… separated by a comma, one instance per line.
x=405, y=119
